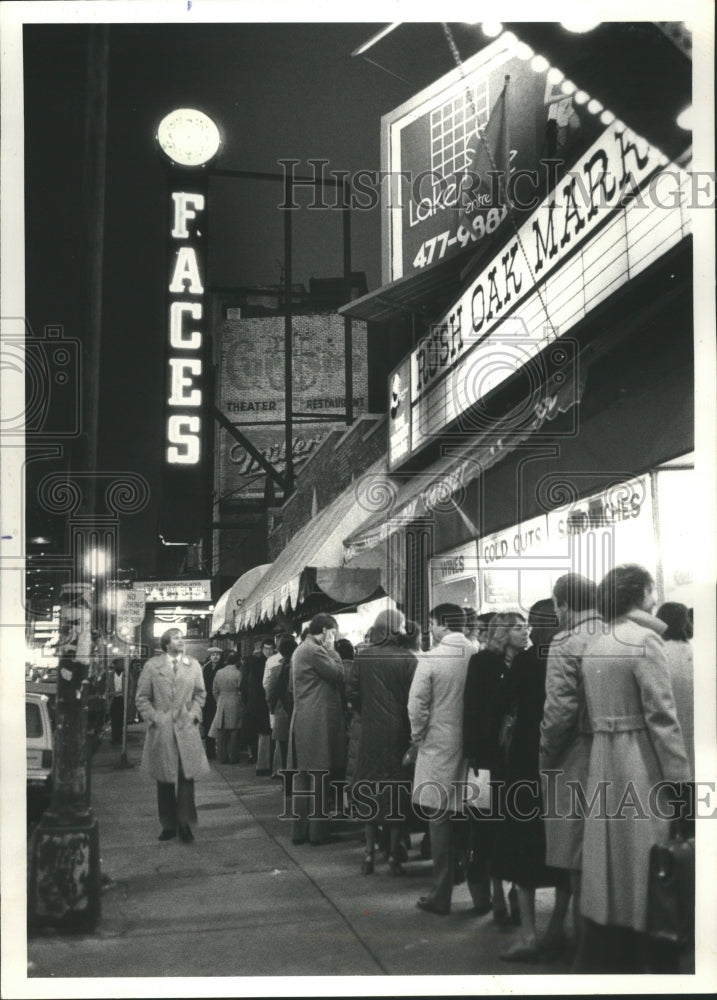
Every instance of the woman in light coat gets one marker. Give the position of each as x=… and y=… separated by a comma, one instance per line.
x=435, y=710
x=637, y=743
x=170, y=695
x=228, y=716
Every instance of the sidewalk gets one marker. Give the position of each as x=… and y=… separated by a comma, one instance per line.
x=243, y=901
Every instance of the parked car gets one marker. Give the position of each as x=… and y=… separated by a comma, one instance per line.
x=42, y=679
x=39, y=743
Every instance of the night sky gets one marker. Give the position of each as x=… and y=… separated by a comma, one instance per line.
x=277, y=91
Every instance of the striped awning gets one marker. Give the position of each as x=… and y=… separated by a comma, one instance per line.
x=313, y=560
x=225, y=611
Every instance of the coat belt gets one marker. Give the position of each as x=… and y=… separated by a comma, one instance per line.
x=618, y=723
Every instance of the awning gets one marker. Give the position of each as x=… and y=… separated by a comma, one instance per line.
x=312, y=562
x=417, y=494
x=439, y=285
x=219, y=622
x=232, y=599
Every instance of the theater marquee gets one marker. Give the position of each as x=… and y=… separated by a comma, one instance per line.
x=607, y=219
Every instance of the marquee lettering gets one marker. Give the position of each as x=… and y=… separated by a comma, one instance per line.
x=616, y=166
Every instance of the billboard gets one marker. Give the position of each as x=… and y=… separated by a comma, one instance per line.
x=250, y=392
x=454, y=150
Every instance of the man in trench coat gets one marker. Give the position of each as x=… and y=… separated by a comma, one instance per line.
x=565, y=732
x=435, y=709
x=170, y=695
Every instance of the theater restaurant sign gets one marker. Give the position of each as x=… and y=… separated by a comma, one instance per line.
x=607, y=219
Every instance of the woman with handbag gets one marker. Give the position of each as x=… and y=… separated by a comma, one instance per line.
x=520, y=853
x=484, y=708
x=637, y=744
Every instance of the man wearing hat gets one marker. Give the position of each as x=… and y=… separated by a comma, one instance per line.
x=210, y=669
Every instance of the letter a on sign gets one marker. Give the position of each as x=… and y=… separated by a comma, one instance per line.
x=186, y=270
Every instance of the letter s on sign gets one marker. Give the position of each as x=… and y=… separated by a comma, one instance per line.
x=183, y=437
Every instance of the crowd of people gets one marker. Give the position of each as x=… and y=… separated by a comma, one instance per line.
x=548, y=752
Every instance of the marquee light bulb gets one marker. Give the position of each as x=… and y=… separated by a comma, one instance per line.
x=579, y=25
x=539, y=63
x=684, y=119
x=491, y=29
x=581, y=97
x=555, y=75
x=607, y=117
x=524, y=51
x=594, y=106
x=568, y=87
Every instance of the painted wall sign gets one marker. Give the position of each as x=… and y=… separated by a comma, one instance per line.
x=250, y=391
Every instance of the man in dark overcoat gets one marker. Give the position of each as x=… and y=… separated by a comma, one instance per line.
x=317, y=739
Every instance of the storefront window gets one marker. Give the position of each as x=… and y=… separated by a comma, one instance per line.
x=613, y=527
x=515, y=567
x=520, y=565
x=677, y=523
x=454, y=577
x=354, y=625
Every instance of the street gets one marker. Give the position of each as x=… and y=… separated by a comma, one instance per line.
x=243, y=901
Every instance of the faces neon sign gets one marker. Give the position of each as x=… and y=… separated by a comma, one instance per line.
x=186, y=336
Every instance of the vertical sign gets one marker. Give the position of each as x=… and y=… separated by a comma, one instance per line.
x=186, y=473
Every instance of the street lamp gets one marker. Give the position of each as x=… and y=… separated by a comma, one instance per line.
x=97, y=563
x=189, y=137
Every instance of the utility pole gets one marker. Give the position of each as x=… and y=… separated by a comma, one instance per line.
x=64, y=890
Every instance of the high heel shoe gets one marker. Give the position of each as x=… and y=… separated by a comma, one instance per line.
x=367, y=865
x=395, y=867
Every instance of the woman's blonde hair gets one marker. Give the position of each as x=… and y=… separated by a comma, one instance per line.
x=499, y=627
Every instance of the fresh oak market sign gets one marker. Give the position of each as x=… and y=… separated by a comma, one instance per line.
x=604, y=222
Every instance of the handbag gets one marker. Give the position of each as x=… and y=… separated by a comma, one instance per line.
x=506, y=731
x=671, y=891
x=478, y=790
x=409, y=758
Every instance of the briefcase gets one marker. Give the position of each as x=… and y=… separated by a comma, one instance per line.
x=671, y=892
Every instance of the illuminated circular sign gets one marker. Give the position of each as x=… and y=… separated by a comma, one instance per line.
x=188, y=137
